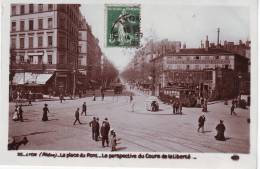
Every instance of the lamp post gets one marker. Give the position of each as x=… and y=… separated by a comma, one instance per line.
x=239, y=84
x=153, y=79
x=153, y=69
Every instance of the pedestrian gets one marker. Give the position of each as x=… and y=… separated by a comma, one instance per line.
x=106, y=132
x=202, y=102
x=233, y=102
x=203, y=108
x=201, y=121
x=113, y=140
x=98, y=129
x=232, y=110
x=180, y=107
x=77, y=117
x=153, y=105
x=173, y=108
x=93, y=125
x=220, y=131
x=84, y=109
x=16, y=114
x=102, y=94
x=61, y=98
x=20, y=113
x=131, y=97
x=94, y=97
x=177, y=107
x=45, y=113
x=30, y=98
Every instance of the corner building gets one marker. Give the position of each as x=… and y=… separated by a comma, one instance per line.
x=44, y=46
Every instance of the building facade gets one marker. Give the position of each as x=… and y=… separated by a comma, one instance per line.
x=44, y=40
x=94, y=55
x=208, y=71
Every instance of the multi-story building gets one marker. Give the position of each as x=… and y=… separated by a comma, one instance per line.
x=206, y=69
x=82, y=46
x=94, y=54
x=44, y=45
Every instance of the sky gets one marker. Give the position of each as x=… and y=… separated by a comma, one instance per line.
x=188, y=24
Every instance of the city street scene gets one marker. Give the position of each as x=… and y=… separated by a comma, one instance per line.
x=96, y=77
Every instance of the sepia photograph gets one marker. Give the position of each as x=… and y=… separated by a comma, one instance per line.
x=129, y=77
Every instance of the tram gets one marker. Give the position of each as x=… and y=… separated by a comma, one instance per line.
x=175, y=93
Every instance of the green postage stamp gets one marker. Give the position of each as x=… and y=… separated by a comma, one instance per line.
x=122, y=25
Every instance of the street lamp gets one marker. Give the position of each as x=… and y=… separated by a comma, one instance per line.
x=239, y=84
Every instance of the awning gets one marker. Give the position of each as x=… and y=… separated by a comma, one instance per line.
x=93, y=81
x=31, y=78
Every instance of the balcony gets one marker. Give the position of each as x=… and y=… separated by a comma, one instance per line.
x=39, y=67
x=27, y=67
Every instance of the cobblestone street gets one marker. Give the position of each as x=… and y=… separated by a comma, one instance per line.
x=140, y=130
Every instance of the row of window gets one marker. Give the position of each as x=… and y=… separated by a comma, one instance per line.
x=31, y=42
x=32, y=8
x=198, y=57
x=32, y=25
x=198, y=67
x=33, y=59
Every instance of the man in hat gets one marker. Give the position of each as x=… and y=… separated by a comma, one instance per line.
x=220, y=131
x=106, y=128
x=77, y=117
x=94, y=126
x=201, y=121
x=97, y=130
x=104, y=134
x=84, y=109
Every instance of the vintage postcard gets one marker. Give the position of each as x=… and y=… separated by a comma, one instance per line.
x=166, y=84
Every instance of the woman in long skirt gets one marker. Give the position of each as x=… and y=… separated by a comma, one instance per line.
x=45, y=111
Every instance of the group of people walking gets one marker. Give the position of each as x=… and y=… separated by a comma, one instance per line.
x=103, y=133
x=176, y=107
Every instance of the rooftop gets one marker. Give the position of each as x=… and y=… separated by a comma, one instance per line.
x=201, y=51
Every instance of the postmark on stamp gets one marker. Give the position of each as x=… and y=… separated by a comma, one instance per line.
x=123, y=25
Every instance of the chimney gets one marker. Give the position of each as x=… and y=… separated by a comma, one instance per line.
x=207, y=44
x=240, y=42
x=184, y=46
x=218, y=38
x=212, y=45
x=201, y=44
